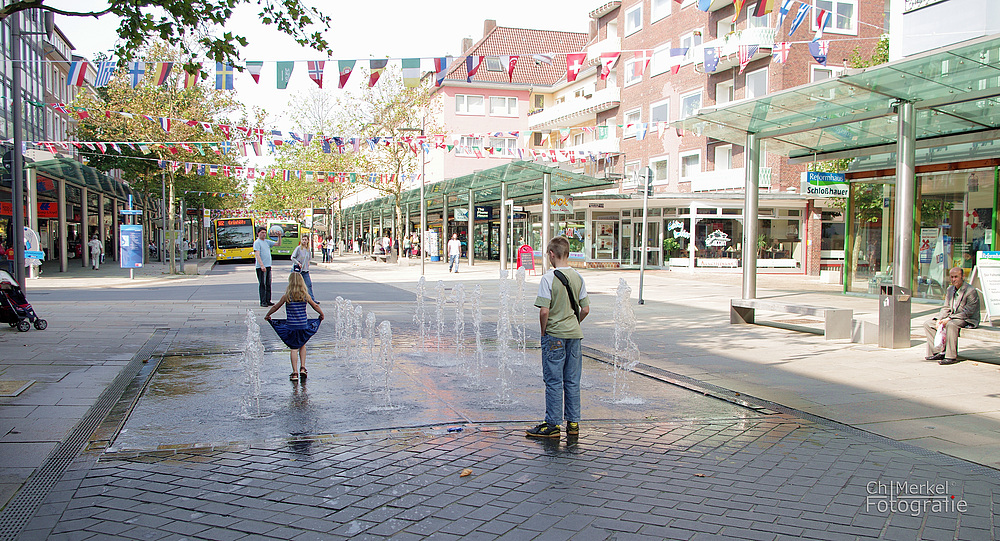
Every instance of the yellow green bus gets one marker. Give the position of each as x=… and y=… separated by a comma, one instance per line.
x=234, y=238
x=290, y=231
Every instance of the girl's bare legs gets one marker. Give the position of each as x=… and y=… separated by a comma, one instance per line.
x=302, y=359
x=295, y=360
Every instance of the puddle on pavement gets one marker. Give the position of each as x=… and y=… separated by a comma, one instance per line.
x=195, y=399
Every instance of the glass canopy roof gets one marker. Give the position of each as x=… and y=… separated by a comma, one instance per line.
x=954, y=89
x=83, y=176
x=523, y=179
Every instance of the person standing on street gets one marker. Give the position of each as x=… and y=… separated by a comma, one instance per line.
x=961, y=309
x=454, y=252
x=301, y=257
x=262, y=264
x=96, y=251
x=562, y=304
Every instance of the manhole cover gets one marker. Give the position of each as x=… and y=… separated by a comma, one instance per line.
x=10, y=388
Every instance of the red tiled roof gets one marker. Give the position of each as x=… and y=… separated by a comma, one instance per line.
x=524, y=42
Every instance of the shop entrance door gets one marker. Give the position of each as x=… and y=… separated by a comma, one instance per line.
x=653, y=254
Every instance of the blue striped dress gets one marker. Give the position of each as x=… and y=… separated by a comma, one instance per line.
x=297, y=329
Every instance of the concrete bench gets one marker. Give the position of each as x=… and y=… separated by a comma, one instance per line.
x=837, y=321
x=991, y=334
x=378, y=257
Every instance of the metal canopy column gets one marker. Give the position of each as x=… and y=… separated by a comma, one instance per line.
x=546, y=218
x=503, y=225
x=63, y=229
x=471, y=224
x=84, y=235
x=443, y=243
x=905, y=193
x=750, y=217
x=101, y=233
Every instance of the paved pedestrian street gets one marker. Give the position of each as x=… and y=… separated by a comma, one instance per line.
x=779, y=476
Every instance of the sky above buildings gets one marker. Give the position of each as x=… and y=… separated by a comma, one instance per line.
x=359, y=30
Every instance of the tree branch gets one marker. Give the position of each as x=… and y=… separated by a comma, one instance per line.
x=24, y=5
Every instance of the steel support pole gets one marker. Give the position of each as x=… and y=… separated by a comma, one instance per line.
x=63, y=228
x=646, y=182
x=471, y=225
x=503, y=225
x=905, y=194
x=751, y=199
x=546, y=218
x=32, y=181
x=17, y=174
x=84, y=234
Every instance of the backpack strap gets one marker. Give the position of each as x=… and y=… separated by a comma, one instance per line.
x=572, y=298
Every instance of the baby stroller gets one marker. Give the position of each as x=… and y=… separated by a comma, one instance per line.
x=14, y=308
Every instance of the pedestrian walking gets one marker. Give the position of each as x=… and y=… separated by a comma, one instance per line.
x=262, y=264
x=331, y=248
x=96, y=251
x=296, y=329
x=454, y=252
x=562, y=304
x=301, y=257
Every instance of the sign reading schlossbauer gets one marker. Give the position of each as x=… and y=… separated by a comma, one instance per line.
x=825, y=184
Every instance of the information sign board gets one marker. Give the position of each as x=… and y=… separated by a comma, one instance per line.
x=130, y=248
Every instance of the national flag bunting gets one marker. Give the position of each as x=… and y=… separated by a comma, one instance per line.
x=165, y=123
x=136, y=70
x=745, y=54
x=704, y=5
x=315, y=68
x=804, y=10
x=642, y=59
x=819, y=50
x=344, y=69
x=411, y=72
x=822, y=21
x=546, y=58
x=376, y=67
x=440, y=68
x=254, y=67
x=472, y=64
x=739, y=7
x=191, y=79
x=574, y=63
x=77, y=73
x=711, y=59
x=608, y=61
x=786, y=6
x=511, y=61
x=763, y=8
x=780, y=51
x=284, y=73
x=104, y=72
x=161, y=71
x=223, y=76
x=677, y=55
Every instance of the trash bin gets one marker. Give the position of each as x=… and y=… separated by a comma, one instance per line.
x=893, y=316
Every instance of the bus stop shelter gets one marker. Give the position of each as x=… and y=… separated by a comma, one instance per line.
x=520, y=182
x=946, y=96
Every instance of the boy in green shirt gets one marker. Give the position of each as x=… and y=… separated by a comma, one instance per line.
x=562, y=304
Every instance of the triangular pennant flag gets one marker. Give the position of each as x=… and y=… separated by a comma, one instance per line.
x=191, y=79
x=411, y=72
x=642, y=59
x=546, y=58
x=704, y=5
x=574, y=63
x=344, y=68
x=822, y=21
x=161, y=71
x=786, y=6
x=376, y=67
x=104, y=72
x=780, y=51
x=472, y=64
x=677, y=55
x=315, y=68
x=608, y=61
x=819, y=50
x=799, y=17
x=745, y=54
x=225, y=129
x=254, y=67
x=711, y=59
x=284, y=73
x=739, y=8
x=165, y=123
x=77, y=73
x=511, y=61
x=223, y=76
x=763, y=8
x=440, y=67
x=136, y=71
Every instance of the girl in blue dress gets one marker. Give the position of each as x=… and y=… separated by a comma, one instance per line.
x=297, y=329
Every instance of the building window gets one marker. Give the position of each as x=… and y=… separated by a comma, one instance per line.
x=536, y=139
x=843, y=18
x=467, y=145
x=759, y=22
x=724, y=92
x=539, y=102
x=660, y=9
x=578, y=139
x=661, y=60
x=756, y=83
x=659, y=112
x=633, y=71
x=505, y=147
x=690, y=104
x=631, y=179
x=632, y=118
x=661, y=169
x=690, y=164
x=633, y=20
x=690, y=41
x=821, y=73
x=469, y=105
x=724, y=27
x=503, y=106
x=493, y=64
x=723, y=157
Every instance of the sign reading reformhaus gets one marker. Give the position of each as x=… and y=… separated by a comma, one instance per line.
x=825, y=184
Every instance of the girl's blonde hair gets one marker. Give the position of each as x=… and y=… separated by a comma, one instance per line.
x=296, y=291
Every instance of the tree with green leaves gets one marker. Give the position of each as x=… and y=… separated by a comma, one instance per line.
x=196, y=27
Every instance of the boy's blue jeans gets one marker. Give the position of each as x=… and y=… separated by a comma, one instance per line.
x=562, y=365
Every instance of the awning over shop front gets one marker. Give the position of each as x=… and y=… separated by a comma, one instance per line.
x=82, y=176
x=954, y=91
x=523, y=180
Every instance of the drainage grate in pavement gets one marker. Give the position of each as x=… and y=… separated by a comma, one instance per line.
x=11, y=388
x=29, y=498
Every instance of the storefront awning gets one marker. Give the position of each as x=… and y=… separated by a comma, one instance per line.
x=955, y=92
x=523, y=179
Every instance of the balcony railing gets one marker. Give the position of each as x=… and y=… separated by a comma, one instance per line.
x=573, y=110
x=730, y=45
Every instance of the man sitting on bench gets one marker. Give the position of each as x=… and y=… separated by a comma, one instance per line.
x=961, y=309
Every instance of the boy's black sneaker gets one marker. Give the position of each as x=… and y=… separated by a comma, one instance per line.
x=572, y=429
x=544, y=430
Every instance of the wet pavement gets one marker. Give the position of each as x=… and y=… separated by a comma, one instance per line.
x=171, y=457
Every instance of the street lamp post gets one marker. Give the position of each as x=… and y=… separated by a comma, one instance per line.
x=647, y=179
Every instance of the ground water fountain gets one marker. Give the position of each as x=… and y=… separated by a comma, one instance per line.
x=504, y=337
x=384, y=364
x=250, y=361
x=474, y=367
x=439, y=310
x=370, y=356
x=521, y=315
x=420, y=316
x=626, y=353
x=458, y=294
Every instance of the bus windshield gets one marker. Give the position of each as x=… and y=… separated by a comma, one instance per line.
x=234, y=233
